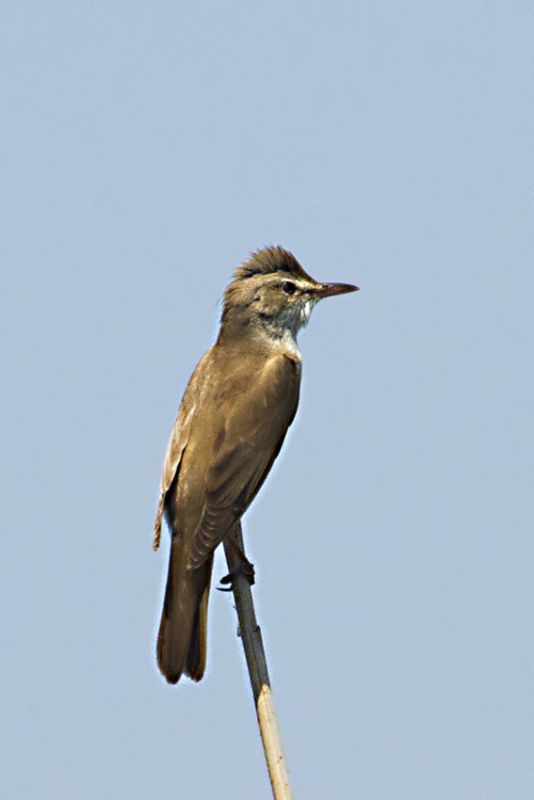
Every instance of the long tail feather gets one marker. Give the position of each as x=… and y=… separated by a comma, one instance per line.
x=182, y=639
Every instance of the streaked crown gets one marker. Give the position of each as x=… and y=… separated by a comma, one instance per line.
x=271, y=260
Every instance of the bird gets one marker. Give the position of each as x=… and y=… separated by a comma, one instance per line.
x=235, y=413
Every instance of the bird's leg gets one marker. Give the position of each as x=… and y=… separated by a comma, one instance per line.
x=244, y=567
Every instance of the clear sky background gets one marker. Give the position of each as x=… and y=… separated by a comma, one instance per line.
x=147, y=149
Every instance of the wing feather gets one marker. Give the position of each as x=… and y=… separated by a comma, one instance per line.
x=178, y=443
x=248, y=443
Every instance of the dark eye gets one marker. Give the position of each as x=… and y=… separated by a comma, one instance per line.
x=288, y=287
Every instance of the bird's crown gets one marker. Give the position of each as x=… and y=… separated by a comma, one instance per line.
x=270, y=260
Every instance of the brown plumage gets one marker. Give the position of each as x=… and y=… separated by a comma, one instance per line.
x=236, y=410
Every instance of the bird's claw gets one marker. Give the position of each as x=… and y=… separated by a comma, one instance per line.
x=249, y=572
x=245, y=568
x=227, y=579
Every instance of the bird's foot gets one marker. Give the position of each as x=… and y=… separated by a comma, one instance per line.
x=246, y=569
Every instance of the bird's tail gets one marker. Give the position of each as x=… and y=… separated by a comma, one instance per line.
x=182, y=638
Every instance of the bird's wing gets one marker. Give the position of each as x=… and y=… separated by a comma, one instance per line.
x=247, y=443
x=178, y=442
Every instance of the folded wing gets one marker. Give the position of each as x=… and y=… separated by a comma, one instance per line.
x=246, y=445
x=178, y=442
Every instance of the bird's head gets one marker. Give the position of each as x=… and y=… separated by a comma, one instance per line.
x=272, y=291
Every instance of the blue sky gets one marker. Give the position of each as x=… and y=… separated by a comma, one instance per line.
x=148, y=148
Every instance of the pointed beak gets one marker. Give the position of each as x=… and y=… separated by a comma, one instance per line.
x=331, y=289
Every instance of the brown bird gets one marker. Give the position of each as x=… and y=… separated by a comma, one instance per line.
x=237, y=407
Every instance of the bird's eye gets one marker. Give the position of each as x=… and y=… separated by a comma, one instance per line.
x=288, y=287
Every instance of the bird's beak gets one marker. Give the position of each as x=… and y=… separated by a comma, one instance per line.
x=330, y=289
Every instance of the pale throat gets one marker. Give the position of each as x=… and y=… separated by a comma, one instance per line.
x=283, y=328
